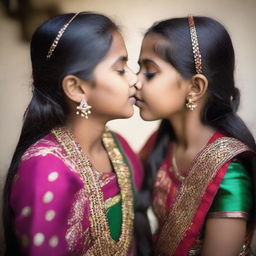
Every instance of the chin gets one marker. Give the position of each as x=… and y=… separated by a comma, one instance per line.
x=147, y=116
x=128, y=113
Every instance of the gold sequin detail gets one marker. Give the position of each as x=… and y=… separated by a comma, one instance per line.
x=103, y=244
x=195, y=45
x=204, y=168
x=112, y=201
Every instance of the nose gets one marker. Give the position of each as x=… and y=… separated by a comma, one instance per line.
x=138, y=85
x=133, y=82
x=131, y=77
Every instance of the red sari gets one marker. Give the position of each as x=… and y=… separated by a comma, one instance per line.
x=182, y=207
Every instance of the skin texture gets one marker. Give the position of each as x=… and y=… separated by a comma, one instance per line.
x=163, y=93
x=110, y=95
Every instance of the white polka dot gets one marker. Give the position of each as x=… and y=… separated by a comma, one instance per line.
x=53, y=242
x=53, y=176
x=48, y=196
x=49, y=215
x=26, y=211
x=38, y=239
x=24, y=240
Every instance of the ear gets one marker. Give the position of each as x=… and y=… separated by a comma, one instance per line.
x=199, y=85
x=74, y=88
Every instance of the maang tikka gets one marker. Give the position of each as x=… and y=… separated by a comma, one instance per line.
x=83, y=109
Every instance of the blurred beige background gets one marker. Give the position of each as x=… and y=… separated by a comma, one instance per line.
x=134, y=17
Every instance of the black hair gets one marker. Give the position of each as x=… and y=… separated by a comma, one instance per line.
x=82, y=46
x=219, y=112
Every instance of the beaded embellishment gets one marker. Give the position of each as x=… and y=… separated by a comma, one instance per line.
x=58, y=37
x=195, y=45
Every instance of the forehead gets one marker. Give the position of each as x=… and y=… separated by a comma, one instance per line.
x=116, y=49
x=149, y=45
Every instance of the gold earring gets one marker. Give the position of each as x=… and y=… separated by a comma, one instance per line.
x=191, y=105
x=83, y=109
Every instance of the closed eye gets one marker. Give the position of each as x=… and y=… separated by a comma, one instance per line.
x=121, y=71
x=149, y=75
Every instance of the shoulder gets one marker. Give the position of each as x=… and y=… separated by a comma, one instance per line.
x=235, y=194
x=48, y=152
x=45, y=165
x=230, y=143
x=44, y=147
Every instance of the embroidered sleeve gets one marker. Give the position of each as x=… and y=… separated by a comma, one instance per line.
x=41, y=198
x=234, y=198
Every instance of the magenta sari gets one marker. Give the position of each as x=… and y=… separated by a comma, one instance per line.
x=58, y=210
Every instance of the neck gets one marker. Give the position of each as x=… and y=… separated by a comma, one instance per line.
x=88, y=133
x=189, y=130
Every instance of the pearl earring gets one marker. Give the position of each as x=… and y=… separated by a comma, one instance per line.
x=83, y=109
x=191, y=105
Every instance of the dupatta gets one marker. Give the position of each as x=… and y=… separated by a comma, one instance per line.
x=187, y=214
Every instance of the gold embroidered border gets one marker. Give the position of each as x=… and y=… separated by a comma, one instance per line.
x=204, y=168
x=112, y=201
x=103, y=244
x=235, y=214
x=76, y=236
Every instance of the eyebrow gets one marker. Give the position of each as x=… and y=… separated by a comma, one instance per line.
x=121, y=59
x=146, y=61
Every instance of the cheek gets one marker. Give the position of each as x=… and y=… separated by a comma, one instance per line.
x=162, y=100
x=156, y=94
x=111, y=98
x=112, y=90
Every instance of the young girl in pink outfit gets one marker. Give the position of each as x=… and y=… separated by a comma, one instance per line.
x=71, y=186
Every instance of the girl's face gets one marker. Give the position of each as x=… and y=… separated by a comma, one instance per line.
x=112, y=95
x=163, y=92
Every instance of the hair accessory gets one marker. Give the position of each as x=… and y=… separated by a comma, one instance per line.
x=191, y=105
x=195, y=45
x=59, y=35
x=83, y=109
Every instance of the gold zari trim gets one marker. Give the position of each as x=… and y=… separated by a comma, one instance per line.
x=102, y=242
x=112, y=201
x=205, y=166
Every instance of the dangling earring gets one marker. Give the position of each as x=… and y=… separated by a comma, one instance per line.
x=191, y=105
x=83, y=109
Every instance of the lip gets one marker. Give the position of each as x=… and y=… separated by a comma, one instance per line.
x=132, y=99
x=139, y=102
